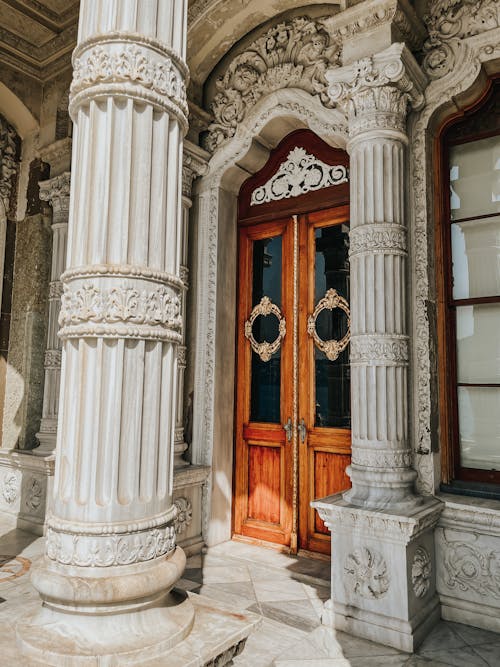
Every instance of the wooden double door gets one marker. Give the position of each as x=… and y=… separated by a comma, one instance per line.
x=293, y=439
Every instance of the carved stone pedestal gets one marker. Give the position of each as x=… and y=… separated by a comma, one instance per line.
x=383, y=574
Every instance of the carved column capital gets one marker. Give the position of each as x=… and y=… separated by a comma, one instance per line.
x=56, y=192
x=194, y=164
x=375, y=92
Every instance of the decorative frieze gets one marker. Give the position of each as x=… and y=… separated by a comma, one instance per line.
x=469, y=567
x=120, y=310
x=366, y=574
x=421, y=570
x=130, y=66
x=291, y=54
x=108, y=550
x=378, y=238
x=300, y=173
x=381, y=458
x=379, y=350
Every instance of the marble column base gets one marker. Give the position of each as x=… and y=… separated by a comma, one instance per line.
x=189, y=631
x=383, y=571
x=25, y=484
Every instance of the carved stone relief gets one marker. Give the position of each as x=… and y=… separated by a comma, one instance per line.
x=299, y=174
x=469, y=567
x=291, y=54
x=366, y=574
x=34, y=495
x=449, y=22
x=10, y=487
x=8, y=164
x=421, y=570
x=184, y=515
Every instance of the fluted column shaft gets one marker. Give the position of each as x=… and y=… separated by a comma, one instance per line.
x=120, y=323
x=375, y=94
x=56, y=192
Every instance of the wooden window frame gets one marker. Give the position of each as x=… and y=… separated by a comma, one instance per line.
x=446, y=304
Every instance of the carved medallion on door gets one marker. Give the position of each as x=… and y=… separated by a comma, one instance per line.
x=292, y=426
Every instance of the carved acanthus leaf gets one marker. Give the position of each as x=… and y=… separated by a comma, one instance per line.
x=472, y=568
x=299, y=174
x=292, y=54
x=421, y=570
x=184, y=515
x=366, y=574
x=448, y=23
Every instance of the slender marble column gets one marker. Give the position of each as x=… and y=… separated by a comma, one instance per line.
x=375, y=93
x=111, y=557
x=56, y=192
x=193, y=165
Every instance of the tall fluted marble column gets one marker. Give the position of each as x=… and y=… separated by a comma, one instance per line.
x=56, y=192
x=111, y=558
x=383, y=582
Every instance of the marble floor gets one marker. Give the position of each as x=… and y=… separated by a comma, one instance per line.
x=286, y=592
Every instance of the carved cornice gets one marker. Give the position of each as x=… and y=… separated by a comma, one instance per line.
x=299, y=174
x=8, y=160
x=448, y=23
x=56, y=192
x=127, y=65
x=375, y=92
x=291, y=54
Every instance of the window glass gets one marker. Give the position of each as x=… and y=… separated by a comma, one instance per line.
x=478, y=344
x=475, y=247
x=475, y=178
x=479, y=426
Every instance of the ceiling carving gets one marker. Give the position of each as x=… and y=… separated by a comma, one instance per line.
x=37, y=36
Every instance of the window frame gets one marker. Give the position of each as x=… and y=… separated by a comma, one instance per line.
x=451, y=467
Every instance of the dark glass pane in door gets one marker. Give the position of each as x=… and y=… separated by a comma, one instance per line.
x=266, y=375
x=332, y=378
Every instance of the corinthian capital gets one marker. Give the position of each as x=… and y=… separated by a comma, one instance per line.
x=56, y=191
x=375, y=92
x=194, y=164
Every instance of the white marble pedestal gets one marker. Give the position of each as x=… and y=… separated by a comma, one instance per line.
x=383, y=579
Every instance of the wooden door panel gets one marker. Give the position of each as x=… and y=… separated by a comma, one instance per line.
x=325, y=453
x=262, y=489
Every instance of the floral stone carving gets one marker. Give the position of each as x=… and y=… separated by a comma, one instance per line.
x=470, y=568
x=366, y=574
x=421, y=570
x=300, y=173
x=10, y=487
x=292, y=54
x=184, y=515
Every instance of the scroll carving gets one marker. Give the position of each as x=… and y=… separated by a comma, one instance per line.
x=332, y=348
x=292, y=54
x=299, y=174
x=265, y=307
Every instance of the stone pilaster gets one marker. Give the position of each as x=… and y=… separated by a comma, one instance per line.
x=111, y=559
x=56, y=192
x=194, y=164
x=383, y=574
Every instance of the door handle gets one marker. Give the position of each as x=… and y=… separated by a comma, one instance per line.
x=288, y=429
x=302, y=428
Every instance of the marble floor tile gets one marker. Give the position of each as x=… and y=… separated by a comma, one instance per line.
x=356, y=647
x=457, y=657
x=475, y=636
x=274, y=591
x=315, y=662
x=221, y=574
x=489, y=652
x=443, y=636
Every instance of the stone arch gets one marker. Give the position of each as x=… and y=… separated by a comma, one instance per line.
x=213, y=291
x=16, y=113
